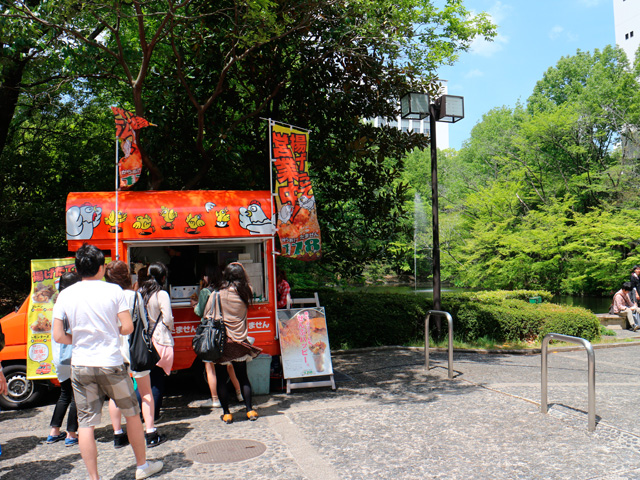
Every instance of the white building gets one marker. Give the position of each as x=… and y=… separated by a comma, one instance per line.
x=626, y=18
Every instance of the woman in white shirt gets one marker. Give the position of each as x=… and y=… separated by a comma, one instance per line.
x=118, y=272
x=158, y=303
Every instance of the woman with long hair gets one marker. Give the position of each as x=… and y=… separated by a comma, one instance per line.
x=118, y=272
x=235, y=296
x=158, y=303
x=63, y=371
x=212, y=281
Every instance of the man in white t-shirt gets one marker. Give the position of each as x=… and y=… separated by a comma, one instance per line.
x=93, y=308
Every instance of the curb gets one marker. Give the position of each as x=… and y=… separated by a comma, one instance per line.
x=531, y=351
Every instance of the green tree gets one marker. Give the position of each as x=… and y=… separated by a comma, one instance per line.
x=205, y=72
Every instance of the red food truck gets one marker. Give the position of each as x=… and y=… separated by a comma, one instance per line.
x=186, y=230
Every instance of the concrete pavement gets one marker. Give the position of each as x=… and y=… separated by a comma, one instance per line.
x=389, y=418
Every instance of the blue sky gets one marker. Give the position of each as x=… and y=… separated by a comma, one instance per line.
x=532, y=36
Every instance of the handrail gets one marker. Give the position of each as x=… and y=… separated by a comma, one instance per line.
x=591, y=373
x=426, y=338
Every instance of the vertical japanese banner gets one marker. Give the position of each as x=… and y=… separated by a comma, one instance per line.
x=45, y=276
x=297, y=226
x=304, y=343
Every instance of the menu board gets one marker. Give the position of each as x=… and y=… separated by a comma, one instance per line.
x=304, y=342
x=45, y=276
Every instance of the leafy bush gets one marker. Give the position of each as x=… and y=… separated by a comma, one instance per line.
x=364, y=319
x=575, y=321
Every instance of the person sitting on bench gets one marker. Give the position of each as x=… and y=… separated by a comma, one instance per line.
x=625, y=308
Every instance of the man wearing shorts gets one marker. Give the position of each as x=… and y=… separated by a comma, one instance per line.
x=93, y=309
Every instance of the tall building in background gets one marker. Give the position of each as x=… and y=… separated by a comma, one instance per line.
x=420, y=126
x=626, y=18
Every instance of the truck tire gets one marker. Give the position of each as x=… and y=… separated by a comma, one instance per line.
x=22, y=392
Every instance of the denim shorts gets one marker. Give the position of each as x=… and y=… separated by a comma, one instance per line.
x=92, y=385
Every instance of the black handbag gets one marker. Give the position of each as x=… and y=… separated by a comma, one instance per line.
x=142, y=352
x=211, y=334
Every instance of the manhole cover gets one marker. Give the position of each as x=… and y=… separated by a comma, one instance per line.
x=225, y=451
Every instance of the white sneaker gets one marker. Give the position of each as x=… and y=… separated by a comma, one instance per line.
x=216, y=403
x=152, y=468
x=239, y=396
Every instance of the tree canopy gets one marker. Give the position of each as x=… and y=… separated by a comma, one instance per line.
x=206, y=72
x=549, y=191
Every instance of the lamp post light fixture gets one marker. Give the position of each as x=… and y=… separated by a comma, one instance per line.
x=450, y=109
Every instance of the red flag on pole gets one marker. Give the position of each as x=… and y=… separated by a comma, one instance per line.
x=130, y=166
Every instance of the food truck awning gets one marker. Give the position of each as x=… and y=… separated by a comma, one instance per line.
x=157, y=215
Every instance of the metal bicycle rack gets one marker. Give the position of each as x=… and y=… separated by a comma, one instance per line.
x=591, y=373
x=426, y=338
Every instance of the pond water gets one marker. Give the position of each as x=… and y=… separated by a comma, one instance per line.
x=595, y=304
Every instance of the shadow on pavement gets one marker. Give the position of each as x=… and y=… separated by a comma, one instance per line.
x=49, y=469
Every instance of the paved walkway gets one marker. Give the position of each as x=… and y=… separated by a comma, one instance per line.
x=389, y=418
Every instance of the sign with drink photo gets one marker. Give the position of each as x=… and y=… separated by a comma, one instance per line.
x=304, y=343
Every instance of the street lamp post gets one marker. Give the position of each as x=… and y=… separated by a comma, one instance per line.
x=450, y=109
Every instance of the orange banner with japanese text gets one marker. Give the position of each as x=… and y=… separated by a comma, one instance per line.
x=297, y=225
x=45, y=276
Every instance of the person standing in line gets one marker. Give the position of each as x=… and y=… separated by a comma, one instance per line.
x=635, y=284
x=211, y=281
x=118, y=272
x=283, y=289
x=65, y=400
x=94, y=308
x=624, y=307
x=235, y=295
x=158, y=303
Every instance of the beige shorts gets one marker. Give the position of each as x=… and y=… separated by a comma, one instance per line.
x=92, y=385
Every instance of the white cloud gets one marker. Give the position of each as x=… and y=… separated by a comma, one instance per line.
x=498, y=13
x=486, y=48
x=555, y=32
x=559, y=32
x=474, y=73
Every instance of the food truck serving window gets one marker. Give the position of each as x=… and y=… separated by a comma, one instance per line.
x=187, y=261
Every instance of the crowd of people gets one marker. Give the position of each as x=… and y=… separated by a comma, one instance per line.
x=625, y=300
x=92, y=320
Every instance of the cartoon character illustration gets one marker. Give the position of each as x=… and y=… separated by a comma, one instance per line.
x=193, y=222
x=209, y=206
x=111, y=221
x=222, y=218
x=254, y=219
x=307, y=203
x=169, y=215
x=144, y=224
x=285, y=212
x=81, y=220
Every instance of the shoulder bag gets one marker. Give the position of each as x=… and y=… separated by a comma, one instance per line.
x=142, y=351
x=211, y=335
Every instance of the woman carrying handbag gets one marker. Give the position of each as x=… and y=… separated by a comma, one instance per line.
x=211, y=281
x=235, y=297
x=118, y=272
x=158, y=303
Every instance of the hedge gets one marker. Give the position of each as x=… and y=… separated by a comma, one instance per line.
x=364, y=319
